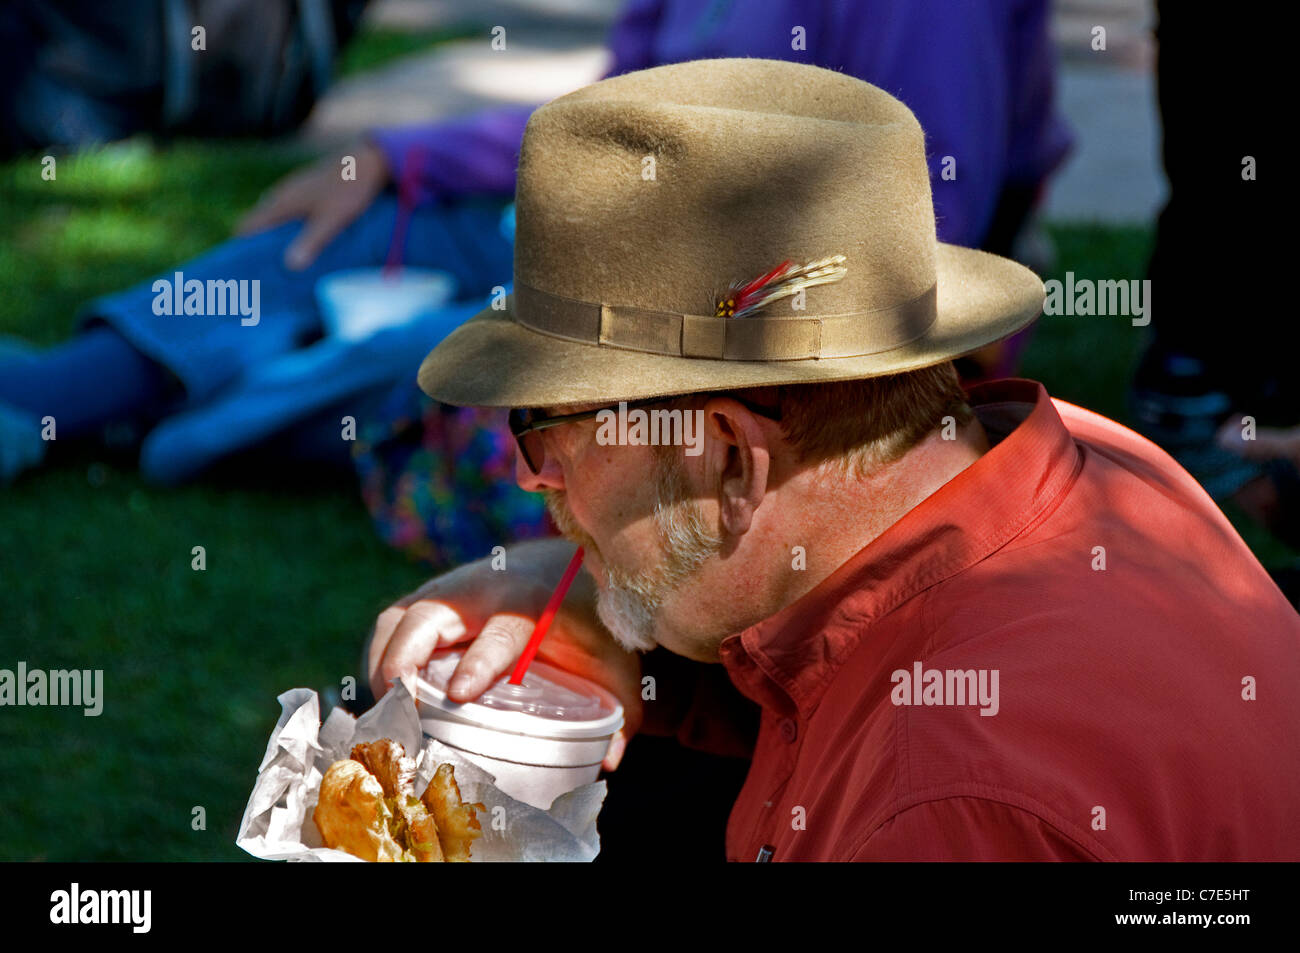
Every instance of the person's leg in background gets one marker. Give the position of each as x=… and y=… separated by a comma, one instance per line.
x=80, y=386
x=92, y=378
x=145, y=361
x=1216, y=352
x=462, y=238
x=131, y=363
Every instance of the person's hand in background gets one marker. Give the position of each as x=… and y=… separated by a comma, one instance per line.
x=1272, y=498
x=326, y=201
x=495, y=611
x=1267, y=443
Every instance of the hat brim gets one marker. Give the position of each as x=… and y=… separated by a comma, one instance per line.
x=492, y=361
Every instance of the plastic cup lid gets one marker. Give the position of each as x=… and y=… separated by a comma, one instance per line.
x=549, y=703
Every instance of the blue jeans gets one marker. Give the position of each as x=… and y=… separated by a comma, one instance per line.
x=207, y=353
x=247, y=380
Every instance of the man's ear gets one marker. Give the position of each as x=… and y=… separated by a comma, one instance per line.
x=741, y=463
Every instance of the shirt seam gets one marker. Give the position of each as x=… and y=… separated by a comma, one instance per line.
x=903, y=773
x=995, y=795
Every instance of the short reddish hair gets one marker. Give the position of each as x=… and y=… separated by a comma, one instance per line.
x=866, y=424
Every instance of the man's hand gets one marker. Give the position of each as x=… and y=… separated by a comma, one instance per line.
x=495, y=612
x=320, y=195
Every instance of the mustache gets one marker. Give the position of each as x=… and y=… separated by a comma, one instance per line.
x=565, y=522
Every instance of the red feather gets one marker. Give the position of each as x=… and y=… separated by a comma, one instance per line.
x=757, y=284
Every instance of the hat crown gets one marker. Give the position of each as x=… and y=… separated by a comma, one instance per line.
x=656, y=189
x=640, y=199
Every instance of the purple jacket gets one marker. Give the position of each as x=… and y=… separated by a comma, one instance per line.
x=978, y=74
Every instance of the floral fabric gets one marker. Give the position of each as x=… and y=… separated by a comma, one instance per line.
x=439, y=481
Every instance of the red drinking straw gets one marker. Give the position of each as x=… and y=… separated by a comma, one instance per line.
x=544, y=623
x=405, y=202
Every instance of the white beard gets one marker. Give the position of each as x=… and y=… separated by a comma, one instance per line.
x=628, y=618
x=630, y=602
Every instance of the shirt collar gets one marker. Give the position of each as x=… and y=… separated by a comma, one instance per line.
x=785, y=662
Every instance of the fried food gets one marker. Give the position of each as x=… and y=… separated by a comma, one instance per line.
x=387, y=761
x=352, y=816
x=367, y=807
x=457, y=822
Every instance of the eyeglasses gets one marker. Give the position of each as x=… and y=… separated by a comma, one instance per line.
x=526, y=424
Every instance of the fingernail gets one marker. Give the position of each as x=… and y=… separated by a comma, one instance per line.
x=295, y=257
x=460, y=685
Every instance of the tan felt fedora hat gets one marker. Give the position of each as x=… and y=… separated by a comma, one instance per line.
x=720, y=224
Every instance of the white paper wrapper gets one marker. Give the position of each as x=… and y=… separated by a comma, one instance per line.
x=277, y=823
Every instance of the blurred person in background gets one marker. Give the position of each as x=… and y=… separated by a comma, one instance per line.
x=82, y=72
x=979, y=76
x=1211, y=360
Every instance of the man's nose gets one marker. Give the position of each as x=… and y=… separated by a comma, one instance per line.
x=550, y=478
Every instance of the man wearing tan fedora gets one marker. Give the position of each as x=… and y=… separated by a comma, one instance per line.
x=975, y=626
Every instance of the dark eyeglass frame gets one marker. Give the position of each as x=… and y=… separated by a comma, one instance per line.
x=525, y=421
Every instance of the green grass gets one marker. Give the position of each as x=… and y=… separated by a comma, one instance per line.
x=95, y=566
x=1088, y=360
x=379, y=46
x=115, y=215
x=100, y=577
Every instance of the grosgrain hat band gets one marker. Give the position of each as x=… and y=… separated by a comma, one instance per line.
x=751, y=338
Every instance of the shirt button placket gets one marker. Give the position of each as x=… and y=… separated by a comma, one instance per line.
x=787, y=729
